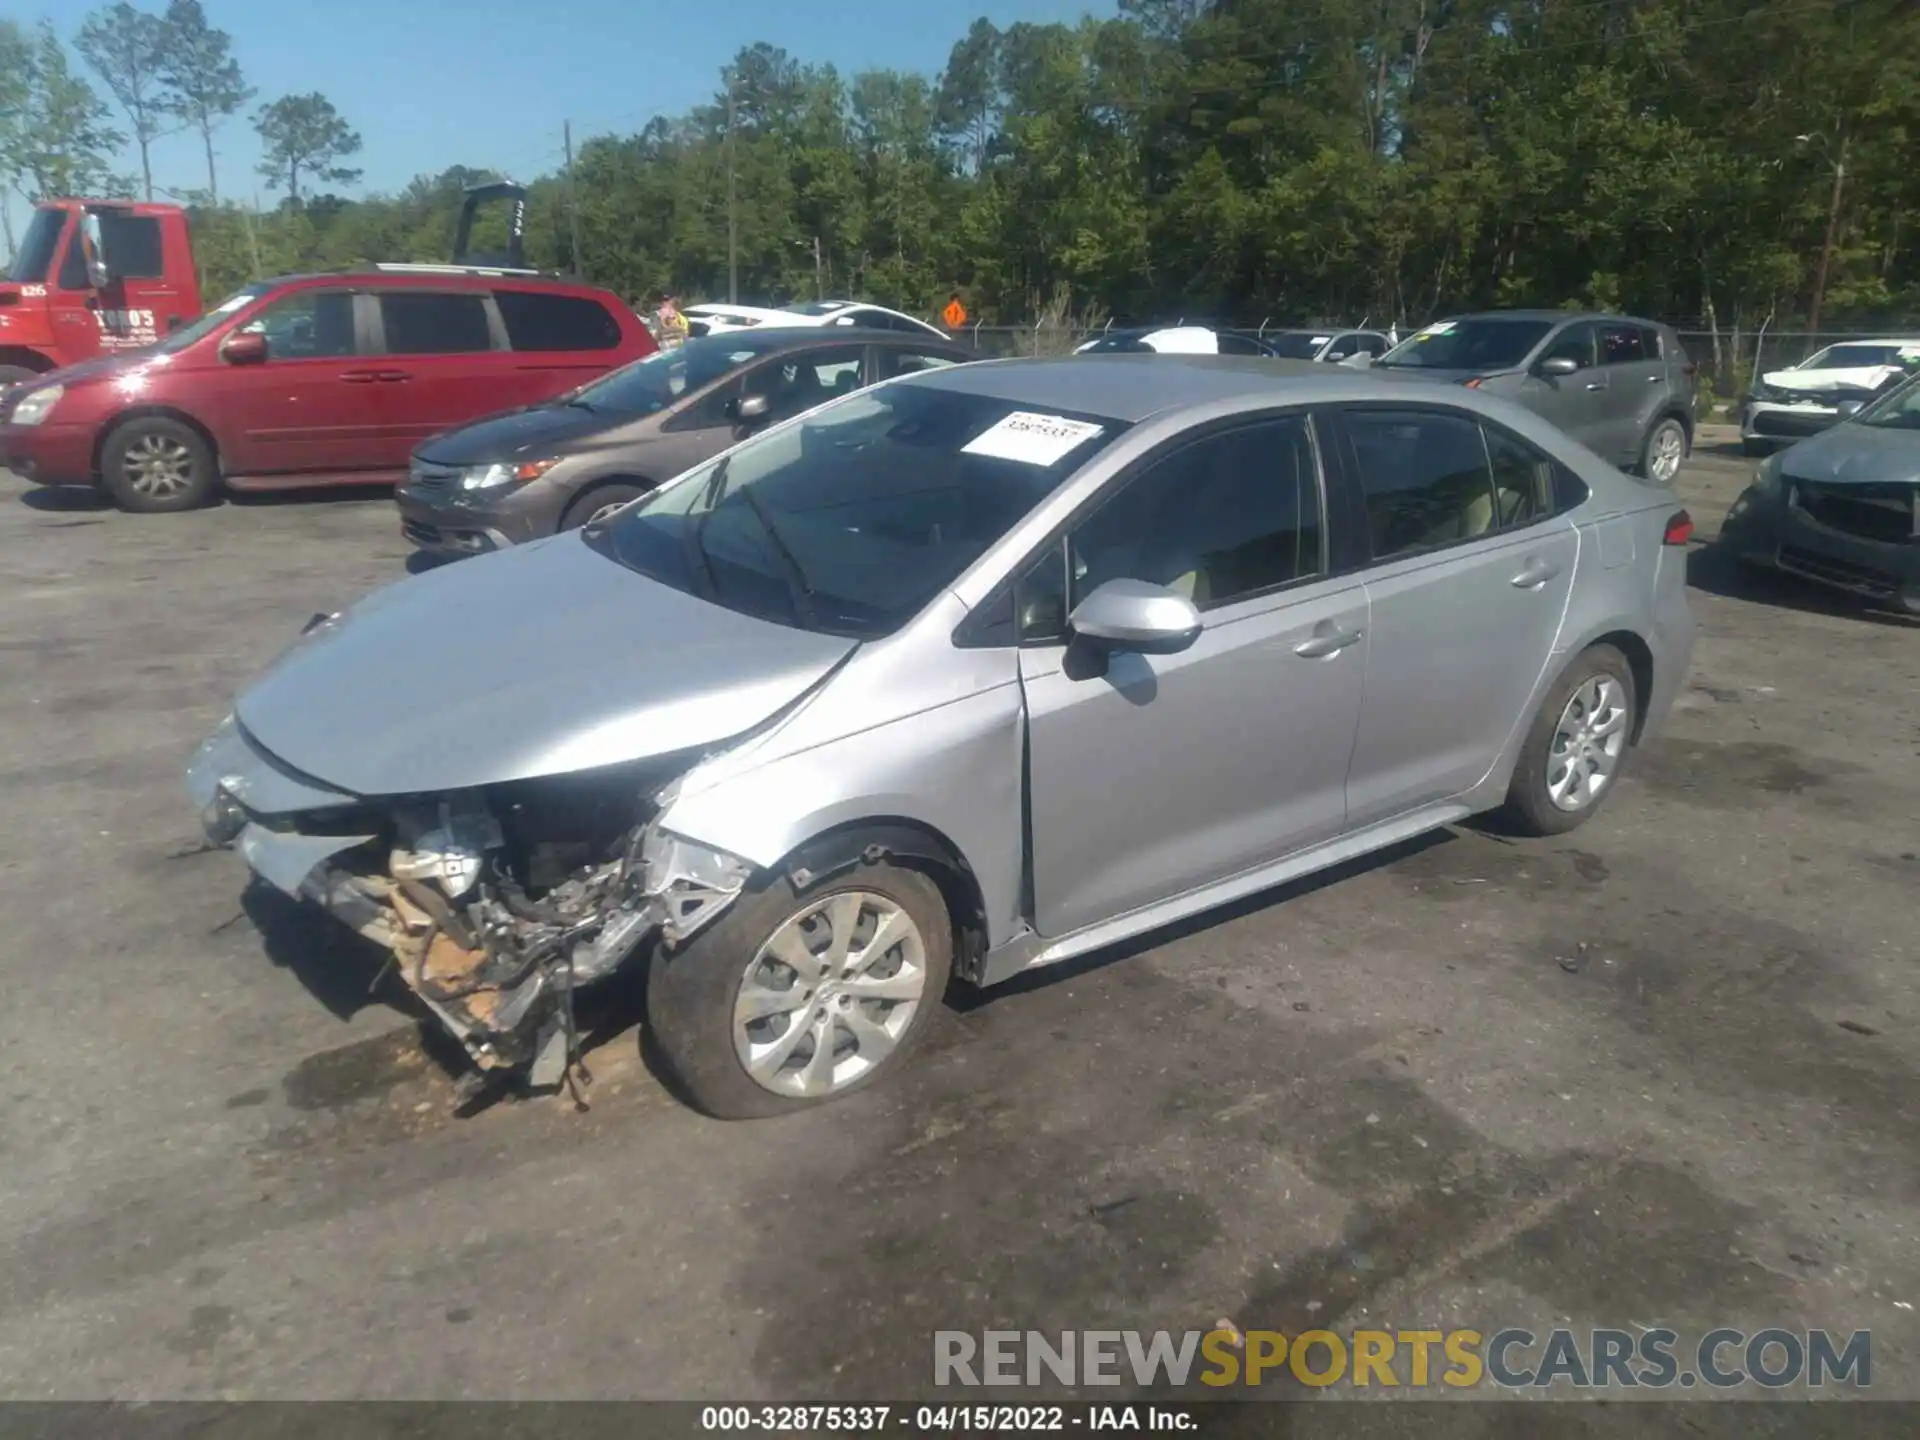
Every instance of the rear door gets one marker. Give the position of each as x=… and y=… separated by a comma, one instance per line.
x=308, y=409
x=441, y=360
x=1636, y=387
x=1468, y=582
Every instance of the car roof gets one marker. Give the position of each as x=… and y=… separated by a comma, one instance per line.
x=797, y=336
x=446, y=278
x=1132, y=387
x=1870, y=340
x=1556, y=316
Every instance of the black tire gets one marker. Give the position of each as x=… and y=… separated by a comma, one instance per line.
x=1662, y=426
x=193, y=458
x=589, y=503
x=691, y=992
x=1529, y=808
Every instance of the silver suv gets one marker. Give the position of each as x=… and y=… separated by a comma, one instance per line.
x=1622, y=387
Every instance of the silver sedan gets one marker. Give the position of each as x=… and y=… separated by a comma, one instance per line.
x=959, y=676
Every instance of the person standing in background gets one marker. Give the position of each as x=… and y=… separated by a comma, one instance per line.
x=673, y=325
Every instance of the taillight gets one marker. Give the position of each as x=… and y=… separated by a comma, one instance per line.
x=1679, y=529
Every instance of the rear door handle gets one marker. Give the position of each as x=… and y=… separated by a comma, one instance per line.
x=393, y=376
x=1535, y=573
x=1596, y=385
x=360, y=377
x=1327, y=640
x=1655, y=379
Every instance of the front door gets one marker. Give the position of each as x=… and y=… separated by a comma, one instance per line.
x=1469, y=582
x=1153, y=775
x=307, y=409
x=1576, y=403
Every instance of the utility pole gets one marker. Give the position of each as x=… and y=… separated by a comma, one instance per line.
x=819, y=286
x=573, y=196
x=253, y=241
x=733, y=231
x=1826, y=248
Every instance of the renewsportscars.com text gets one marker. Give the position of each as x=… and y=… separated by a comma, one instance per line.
x=1511, y=1359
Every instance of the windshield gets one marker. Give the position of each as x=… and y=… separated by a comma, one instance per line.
x=35, y=254
x=850, y=519
x=1853, y=357
x=180, y=339
x=652, y=384
x=1485, y=344
x=1896, y=410
x=1296, y=344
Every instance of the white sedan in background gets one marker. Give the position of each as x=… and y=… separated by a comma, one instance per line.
x=716, y=318
x=1804, y=399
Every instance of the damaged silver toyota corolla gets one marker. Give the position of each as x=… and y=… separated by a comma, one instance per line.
x=969, y=672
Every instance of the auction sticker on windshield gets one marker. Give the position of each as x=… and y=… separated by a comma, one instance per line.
x=1031, y=439
x=1445, y=327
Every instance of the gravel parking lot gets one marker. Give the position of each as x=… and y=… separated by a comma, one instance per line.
x=1659, y=1072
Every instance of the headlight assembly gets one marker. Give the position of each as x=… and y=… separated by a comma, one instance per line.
x=36, y=405
x=491, y=477
x=1766, y=479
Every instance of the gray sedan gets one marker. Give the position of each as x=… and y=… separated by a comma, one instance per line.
x=956, y=677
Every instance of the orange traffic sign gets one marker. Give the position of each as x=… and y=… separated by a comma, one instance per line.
x=955, y=314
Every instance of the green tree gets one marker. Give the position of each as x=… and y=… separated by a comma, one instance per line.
x=304, y=134
x=61, y=143
x=126, y=48
x=203, y=81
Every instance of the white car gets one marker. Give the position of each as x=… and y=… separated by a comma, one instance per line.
x=1791, y=404
x=712, y=319
x=1336, y=346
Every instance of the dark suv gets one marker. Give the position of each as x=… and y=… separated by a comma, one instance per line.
x=1622, y=387
x=313, y=380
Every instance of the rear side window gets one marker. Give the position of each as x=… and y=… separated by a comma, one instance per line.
x=420, y=322
x=907, y=362
x=1650, y=342
x=1427, y=480
x=537, y=321
x=1621, y=345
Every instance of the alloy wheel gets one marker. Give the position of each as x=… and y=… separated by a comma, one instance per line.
x=1669, y=449
x=158, y=466
x=1587, y=744
x=829, y=995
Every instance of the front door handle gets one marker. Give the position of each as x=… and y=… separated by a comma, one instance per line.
x=360, y=377
x=1327, y=640
x=1596, y=385
x=1535, y=573
x=1655, y=379
x=392, y=376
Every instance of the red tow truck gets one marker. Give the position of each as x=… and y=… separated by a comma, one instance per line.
x=94, y=277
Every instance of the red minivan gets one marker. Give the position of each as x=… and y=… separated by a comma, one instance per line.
x=313, y=380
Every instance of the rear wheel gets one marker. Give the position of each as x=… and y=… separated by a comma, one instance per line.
x=1576, y=746
x=1664, y=451
x=598, y=503
x=152, y=465
x=794, y=997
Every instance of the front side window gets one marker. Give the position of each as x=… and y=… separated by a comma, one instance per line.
x=1426, y=478
x=537, y=321
x=306, y=325
x=1575, y=343
x=1897, y=410
x=797, y=383
x=133, y=247
x=850, y=520
x=1483, y=344
x=421, y=322
x=1222, y=518
x=35, y=254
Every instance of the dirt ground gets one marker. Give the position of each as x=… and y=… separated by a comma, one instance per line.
x=1661, y=1071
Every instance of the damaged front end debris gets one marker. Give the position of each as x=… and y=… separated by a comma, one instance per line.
x=494, y=912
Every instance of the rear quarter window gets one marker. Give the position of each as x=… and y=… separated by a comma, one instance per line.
x=537, y=321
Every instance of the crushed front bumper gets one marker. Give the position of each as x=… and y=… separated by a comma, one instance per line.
x=1781, y=529
x=497, y=968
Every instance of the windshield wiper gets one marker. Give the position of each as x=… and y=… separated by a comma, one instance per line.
x=797, y=582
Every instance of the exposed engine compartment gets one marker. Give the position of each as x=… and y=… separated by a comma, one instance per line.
x=497, y=905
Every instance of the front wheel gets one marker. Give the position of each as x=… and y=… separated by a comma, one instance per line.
x=794, y=997
x=1576, y=746
x=1664, y=452
x=152, y=465
x=599, y=503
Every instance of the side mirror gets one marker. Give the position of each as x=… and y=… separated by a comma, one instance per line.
x=245, y=347
x=99, y=275
x=749, y=409
x=1136, y=615
x=1850, y=408
x=1558, y=365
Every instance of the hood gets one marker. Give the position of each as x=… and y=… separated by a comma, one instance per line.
x=99, y=366
x=1856, y=455
x=1444, y=377
x=1814, y=382
x=536, y=433
x=539, y=660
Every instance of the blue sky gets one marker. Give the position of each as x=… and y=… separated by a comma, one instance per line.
x=429, y=83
